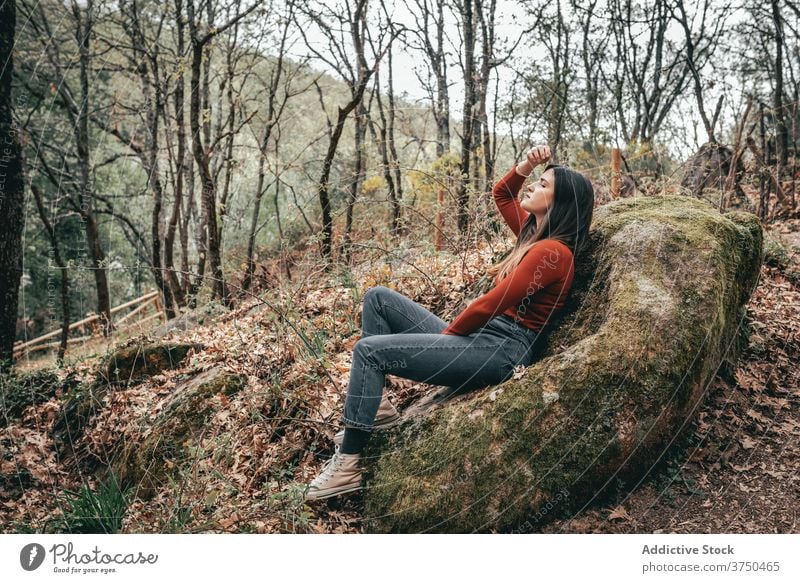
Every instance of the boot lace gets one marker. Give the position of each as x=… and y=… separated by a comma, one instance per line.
x=328, y=468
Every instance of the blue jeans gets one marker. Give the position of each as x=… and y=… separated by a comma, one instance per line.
x=402, y=338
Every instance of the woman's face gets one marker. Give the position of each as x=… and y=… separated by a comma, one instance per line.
x=538, y=196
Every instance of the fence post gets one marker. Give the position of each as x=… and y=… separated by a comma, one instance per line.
x=616, y=159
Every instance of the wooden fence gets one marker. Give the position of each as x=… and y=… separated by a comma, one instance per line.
x=91, y=326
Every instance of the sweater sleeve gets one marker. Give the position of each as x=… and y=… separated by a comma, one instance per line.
x=505, y=194
x=541, y=266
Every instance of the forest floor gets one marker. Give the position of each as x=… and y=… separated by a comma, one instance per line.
x=737, y=473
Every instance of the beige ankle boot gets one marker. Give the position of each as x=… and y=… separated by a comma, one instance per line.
x=340, y=474
x=386, y=416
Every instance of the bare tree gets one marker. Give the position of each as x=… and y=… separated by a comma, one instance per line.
x=385, y=138
x=63, y=269
x=493, y=55
x=336, y=23
x=593, y=49
x=468, y=24
x=541, y=94
x=431, y=44
x=650, y=73
x=556, y=38
x=200, y=36
x=782, y=134
x=183, y=175
x=700, y=46
x=145, y=60
x=276, y=105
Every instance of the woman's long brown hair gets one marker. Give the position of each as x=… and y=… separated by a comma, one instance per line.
x=567, y=220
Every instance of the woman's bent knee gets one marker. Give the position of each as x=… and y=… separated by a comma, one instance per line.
x=375, y=290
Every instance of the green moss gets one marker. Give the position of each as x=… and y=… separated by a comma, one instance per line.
x=131, y=364
x=126, y=365
x=654, y=304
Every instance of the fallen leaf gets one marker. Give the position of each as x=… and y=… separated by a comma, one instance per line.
x=748, y=443
x=620, y=513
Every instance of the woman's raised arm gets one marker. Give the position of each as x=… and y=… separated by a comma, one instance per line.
x=505, y=194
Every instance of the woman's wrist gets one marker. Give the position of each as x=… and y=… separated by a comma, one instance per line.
x=524, y=168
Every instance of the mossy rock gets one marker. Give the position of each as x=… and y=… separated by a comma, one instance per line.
x=654, y=312
x=166, y=447
x=131, y=364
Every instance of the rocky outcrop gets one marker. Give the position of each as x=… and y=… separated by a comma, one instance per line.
x=125, y=366
x=654, y=313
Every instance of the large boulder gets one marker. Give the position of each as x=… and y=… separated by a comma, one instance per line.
x=654, y=313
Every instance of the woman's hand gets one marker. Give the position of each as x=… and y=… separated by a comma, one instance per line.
x=538, y=155
x=535, y=156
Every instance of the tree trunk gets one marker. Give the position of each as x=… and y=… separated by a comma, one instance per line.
x=468, y=123
x=147, y=67
x=178, y=97
x=228, y=157
x=188, y=214
x=396, y=185
x=323, y=186
x=781, y=133
x=442, y=109
x=208, y=241
x=251, y=236
x=383, y=147
x=487, y=45
x=358, y=177
x=158, y=196
x=275, y=78
x=12, y=194
x=83, y=29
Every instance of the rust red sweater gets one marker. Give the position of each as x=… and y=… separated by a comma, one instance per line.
x=536, y=288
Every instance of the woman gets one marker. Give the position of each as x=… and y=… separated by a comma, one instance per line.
x=489, y=338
